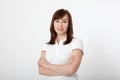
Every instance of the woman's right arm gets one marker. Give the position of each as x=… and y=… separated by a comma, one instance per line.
x=43, y=70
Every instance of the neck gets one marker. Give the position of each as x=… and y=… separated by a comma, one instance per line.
x=60, y=37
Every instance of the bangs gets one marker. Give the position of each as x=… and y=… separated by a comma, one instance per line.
x=59, y=15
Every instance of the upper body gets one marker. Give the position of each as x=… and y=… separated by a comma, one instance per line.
x=61, y=56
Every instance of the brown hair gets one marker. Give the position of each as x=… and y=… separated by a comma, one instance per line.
x=58, y=15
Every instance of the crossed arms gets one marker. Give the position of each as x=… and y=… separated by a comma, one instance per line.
x=69, y=68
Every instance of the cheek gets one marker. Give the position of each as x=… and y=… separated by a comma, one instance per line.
x=66, y=27
x=55, y=26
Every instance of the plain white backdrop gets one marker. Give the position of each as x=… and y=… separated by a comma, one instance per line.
x=24, y=26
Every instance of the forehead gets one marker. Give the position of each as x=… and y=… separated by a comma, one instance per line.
x=65, y=17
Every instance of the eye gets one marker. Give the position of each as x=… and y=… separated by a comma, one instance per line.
x=56, y=21
x=65, y=21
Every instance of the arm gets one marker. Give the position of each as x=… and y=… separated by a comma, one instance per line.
x=66, y=69
x=44, y=70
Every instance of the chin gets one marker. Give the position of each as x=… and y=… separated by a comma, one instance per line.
x=61, y=33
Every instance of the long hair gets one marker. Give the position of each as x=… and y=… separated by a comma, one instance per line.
x=59, y=14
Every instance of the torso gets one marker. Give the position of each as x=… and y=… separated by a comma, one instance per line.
x=60, y=54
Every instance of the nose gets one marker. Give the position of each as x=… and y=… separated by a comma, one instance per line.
x=60, y=24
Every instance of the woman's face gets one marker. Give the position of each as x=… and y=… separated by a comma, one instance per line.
x=61, y=25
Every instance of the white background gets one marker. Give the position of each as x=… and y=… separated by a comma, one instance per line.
x=24, y=26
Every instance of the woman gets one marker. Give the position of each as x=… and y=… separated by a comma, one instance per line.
x=61, y=56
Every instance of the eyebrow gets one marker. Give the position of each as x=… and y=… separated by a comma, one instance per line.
x=65, y=19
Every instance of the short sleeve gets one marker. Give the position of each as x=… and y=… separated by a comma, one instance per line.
x=44, y=47
x=77, y=44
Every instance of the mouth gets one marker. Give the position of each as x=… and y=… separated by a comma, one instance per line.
x=60, y=29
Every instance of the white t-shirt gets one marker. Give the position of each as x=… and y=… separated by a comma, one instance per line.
x=60, y=54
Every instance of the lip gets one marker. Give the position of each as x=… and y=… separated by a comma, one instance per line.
x=60, y=29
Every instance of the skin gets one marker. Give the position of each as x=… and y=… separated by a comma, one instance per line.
x=61, y=26
x=69, y=68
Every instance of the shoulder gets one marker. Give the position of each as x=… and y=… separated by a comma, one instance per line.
x=77, y=45
x=44, y=47
x=76, y=41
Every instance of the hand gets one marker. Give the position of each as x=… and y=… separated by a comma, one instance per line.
x=71, y=60
x=43, y=62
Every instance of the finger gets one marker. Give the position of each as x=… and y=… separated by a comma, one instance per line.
x=70, y=61
x=43, y=54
